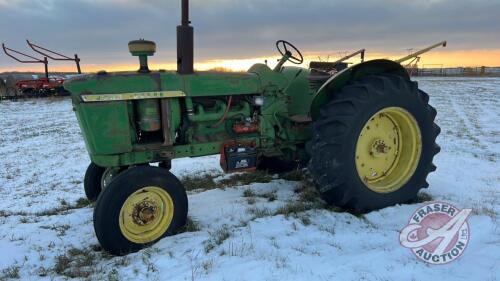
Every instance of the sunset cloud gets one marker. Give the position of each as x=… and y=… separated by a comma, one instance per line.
x=243, y=29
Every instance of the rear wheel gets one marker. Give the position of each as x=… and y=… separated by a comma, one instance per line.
x=374, y=143
x=139, y=207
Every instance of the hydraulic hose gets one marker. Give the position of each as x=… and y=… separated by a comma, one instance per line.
x=225, y=113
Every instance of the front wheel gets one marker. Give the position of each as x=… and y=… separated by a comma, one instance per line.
x=92, y=181
x=374, y=143
x=139, y=207
x=97, y=178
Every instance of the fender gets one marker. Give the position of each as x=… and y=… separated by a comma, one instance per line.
x=342, y=78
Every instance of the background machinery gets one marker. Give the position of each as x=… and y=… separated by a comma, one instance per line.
x=337, y=65
x=8, y=88
x=414, y=58
x=38, y=87
x=366, y=133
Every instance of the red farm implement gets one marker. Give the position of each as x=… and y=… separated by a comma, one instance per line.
x=38, y=87
x=41, y=87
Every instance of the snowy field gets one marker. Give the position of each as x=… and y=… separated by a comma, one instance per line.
x=46, y=227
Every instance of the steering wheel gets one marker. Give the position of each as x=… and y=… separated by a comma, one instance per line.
x=283, y=46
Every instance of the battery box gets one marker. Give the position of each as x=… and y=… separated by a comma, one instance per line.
x=238, y=156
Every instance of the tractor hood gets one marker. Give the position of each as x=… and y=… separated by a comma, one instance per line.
x=113, y=86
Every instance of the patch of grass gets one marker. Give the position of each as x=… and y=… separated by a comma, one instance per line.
x=251, y=200
x=423, y=197
x=310, y=194
x=6, y=214
x=62, y=264
x=295, y=175
x=65, y=206
x=247, y=178
x=60, y=229
x=281, y=262
x=203, y=181
x=113, y=275
x=63, y=202
x=248, y=193
x=270, y=196
x=335, y=209
x=146, y=259
x=76, y=182
x=217, y=238
x=259, y=212
x=367, y=222
x=308, y=200
x=12, y=238
x=360, y=216
x=82, y=202
x=305, y=219
x=208, y=182
x=11, y=272
x=207, y=265
x=327, y=228
x=42, y=271
x=274, y=242
x=121, y=261
x=487, y=211
x=293, y=208
x=76, y=263
x=190, y=226
x=239, y=248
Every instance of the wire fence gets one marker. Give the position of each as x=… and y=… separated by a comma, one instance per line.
x=456, y=71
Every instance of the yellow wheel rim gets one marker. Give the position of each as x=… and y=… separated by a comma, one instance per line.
x=146, y=214
x=388, y=149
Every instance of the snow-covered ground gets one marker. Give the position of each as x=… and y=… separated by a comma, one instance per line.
x=46, y=234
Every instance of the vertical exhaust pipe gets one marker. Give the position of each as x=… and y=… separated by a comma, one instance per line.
x=185, y=42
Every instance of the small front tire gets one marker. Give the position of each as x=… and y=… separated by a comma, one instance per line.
x=138, y=208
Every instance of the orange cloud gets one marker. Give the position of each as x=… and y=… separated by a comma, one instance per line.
x=436, y=58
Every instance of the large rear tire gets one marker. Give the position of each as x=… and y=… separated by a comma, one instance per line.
x=139, y=207
x=374, y=143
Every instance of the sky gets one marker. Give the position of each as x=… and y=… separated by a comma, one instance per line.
x=237, y=33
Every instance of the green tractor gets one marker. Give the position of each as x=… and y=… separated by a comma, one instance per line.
x=367, y=134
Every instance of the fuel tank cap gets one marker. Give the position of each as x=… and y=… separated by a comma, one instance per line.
x=142, y=48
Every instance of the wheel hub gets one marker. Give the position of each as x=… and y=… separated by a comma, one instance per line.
x=146, y=214
x=388, y=149
x=379, y=148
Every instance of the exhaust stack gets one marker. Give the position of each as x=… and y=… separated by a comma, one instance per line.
x=185, y=42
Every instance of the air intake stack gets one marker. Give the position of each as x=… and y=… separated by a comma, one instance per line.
x=185, y=42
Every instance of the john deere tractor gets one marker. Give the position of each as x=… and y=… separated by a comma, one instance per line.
x=366, y=133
